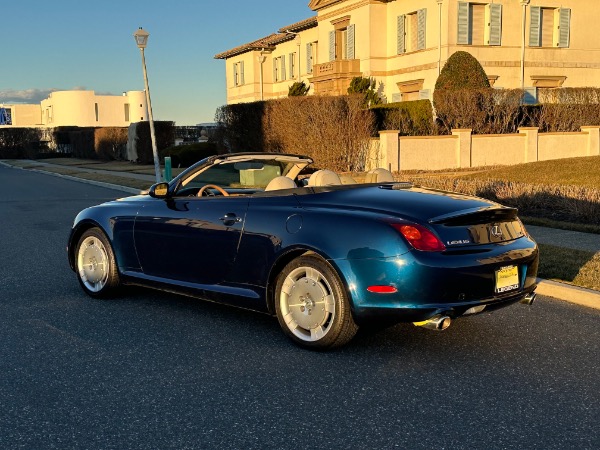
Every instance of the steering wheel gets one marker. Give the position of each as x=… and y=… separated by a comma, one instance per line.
x=211, y=186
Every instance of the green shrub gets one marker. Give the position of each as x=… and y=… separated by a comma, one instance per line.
x=414, y=118
x=365, y=87
x=186, y=155
x=462, y=71
x=298, y=89
x=459, y=97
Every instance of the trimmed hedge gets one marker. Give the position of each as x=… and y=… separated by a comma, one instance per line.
x=414, y=118
x=82, y=142
x=110, y=143
x=334, y=130
x=19, y=142
x=241, y=127
x=462, y=71
x=165, y=137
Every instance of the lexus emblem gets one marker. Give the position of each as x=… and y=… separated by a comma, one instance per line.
x=496, y=231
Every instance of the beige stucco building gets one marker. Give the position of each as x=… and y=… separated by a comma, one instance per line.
x=82, y=109
x=402, y=44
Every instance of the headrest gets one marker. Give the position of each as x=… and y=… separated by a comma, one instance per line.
x=324, y=177
x=280, y=183
x=379, y=176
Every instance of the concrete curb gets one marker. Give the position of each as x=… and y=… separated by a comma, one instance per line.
x=568, y=293
x=81, y=180
x=560, y=291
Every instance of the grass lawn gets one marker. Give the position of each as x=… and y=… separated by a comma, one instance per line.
x=577, y=267
x=583, y=172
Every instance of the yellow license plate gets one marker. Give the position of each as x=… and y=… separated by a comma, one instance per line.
x=507, y=279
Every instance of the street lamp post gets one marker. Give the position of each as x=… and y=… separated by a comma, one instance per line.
x=141, y=39
x=261, y=59
x=524, y=4
x=439, y=63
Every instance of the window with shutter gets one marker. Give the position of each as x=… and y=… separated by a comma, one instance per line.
x=479, y=24
x=535, y=13
x=463, y=24
x=282, y=67
x=309, y=58
x=332, y=46
x=421, y=30
x=411, y=34
x=350, y=42
x=242, y=81
x=401, y=37
x=495, y=13
x=292, y=64
x=564, y=27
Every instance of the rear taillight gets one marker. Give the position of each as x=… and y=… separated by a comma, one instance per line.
x=420, y=237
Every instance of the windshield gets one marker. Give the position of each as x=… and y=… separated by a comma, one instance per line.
x=243, y=175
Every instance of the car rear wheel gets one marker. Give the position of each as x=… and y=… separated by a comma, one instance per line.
x=312, y=305
x=95, y=264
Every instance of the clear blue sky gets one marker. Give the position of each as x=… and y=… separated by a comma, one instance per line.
x=80, y=44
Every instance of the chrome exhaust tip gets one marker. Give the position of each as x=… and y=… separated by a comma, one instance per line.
x=529, y=299
x=437, y=323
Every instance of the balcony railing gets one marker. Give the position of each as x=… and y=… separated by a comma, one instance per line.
x=338, y=67
x=333, y=78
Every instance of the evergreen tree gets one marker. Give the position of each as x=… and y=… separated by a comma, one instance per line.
x=366, y=87
x=298, y=89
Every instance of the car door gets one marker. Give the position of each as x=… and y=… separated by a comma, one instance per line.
x=190, y=239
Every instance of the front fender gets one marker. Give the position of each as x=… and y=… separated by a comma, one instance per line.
x=117, y=227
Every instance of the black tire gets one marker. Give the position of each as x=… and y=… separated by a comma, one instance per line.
x=95, y=264
x=312, y=305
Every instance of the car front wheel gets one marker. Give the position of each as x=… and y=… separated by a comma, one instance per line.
x=95, y=264
x=312, y=305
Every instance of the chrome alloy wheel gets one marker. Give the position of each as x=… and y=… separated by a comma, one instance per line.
x=307, y=304
x=93, y=264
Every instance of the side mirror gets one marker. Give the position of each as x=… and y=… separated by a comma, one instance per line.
x=159, y=190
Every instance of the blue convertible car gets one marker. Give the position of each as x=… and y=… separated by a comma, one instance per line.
x=322, y=253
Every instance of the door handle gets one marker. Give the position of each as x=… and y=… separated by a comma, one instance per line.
x=230, y=219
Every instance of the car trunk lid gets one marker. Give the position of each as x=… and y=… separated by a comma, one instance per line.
x=478, y=226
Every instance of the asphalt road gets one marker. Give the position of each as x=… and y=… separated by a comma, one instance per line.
x=157, y=371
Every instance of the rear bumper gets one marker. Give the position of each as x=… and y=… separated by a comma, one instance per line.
x=422, y=312
x=431, y=283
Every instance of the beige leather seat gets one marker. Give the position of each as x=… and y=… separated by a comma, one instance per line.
x=379, y=176
x=347, y=179
x=324, y=177
x=278, y=183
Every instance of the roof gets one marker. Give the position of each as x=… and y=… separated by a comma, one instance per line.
x=269, y=42
x=305, y=24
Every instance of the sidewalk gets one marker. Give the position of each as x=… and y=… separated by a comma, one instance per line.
x=117, y=173
x=568, y=239
x=128, y=175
